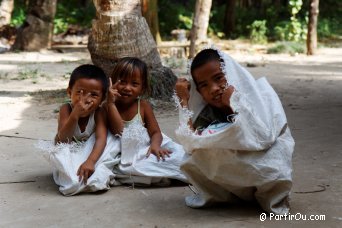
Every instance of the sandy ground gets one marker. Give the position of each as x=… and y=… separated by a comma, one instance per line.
x=309, y=87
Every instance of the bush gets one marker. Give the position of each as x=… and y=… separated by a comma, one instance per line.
x=258, y=31
x=291, y=48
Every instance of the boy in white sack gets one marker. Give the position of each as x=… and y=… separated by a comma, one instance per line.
x=236, y=131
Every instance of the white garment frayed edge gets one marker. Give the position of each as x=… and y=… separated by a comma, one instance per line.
x=184, y=116
x=48, y=147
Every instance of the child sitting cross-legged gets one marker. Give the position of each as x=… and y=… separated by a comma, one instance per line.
x=147, y=156
x=84, y=153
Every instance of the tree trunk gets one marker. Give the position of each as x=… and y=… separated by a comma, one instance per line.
x=200, y=24
x=36, y=31
x=6, y=8
x=229, y=25
x=311, y=41
x=120, y=30
x=150, y=12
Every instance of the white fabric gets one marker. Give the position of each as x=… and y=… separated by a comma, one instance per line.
x=88, y=131
x=249, y=159
x=66, y=158
x=135, y=168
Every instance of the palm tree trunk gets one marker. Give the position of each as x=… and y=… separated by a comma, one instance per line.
x=120, y=30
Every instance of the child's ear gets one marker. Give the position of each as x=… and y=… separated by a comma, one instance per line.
x=68, y=92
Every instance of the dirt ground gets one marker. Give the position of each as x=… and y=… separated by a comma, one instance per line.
x=31, y=89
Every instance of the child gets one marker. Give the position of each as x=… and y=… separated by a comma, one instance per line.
x=237, y=136
x=83, y=156
x=133, y=119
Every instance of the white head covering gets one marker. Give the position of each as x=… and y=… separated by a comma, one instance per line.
x=259, y=109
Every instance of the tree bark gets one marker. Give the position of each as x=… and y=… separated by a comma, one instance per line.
x=311, y=41
x=36, y=32
x=150, y=13
x=229, y=25
x=200, y=24
x=120, y=30
x=6, y=8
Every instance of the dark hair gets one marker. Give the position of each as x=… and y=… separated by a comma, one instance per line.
x=204, y=57
x=90, y=72
x=125, y=67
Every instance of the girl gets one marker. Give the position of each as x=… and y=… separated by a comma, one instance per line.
x=81, y=159
x=133, y=119
x=244, y=146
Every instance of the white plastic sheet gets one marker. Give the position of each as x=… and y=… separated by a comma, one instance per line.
x=250, y=159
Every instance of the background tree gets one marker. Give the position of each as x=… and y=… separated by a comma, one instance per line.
x=150, y=12
x=36, y=31
x=200, y=24
x=120, y=30
x=229, y=19
x=6, y=8
x=311, y=41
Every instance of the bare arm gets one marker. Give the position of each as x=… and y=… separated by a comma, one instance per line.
x=68, y=119
x=67, y=122
x=154, y=132
x=88, y=167
x=114, y=118
x=182, y=88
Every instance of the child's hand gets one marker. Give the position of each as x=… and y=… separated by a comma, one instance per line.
x=113, y=93
x=85, y=171
x=160, y=153
x=83, y=105
x=182, y=88
x=227, y=93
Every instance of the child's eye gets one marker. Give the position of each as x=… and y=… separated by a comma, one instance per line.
x=219, y=78
x=201, y=86
x=94, y=95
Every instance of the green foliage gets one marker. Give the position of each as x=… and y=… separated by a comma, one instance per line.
x=60, y=25
x=70, y=13
x=186, y=20
x=285, y=21
x=258, y=31
x=175, y=15
x=215, y=27
x=19, y=13
x=295, y=29
x=329, y=28
x=291, y=48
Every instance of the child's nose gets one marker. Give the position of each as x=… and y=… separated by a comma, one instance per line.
x=215, y=87
x=127, y=87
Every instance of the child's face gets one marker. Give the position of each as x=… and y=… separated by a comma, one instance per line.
x=91, y=92
x=210, y=82
x=130, y=87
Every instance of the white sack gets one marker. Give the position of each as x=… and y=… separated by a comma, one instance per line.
x=251, y=158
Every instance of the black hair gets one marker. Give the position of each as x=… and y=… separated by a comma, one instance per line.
x=203, y=57
x=125, y=68
x=90, y=72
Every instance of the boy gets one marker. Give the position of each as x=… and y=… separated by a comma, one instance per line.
x=238, y=137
